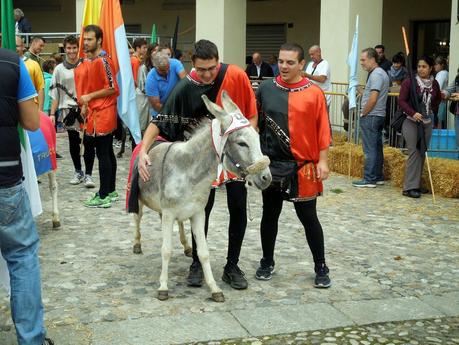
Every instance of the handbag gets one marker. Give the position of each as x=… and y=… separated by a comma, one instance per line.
x=284, y=178
x=397, y=120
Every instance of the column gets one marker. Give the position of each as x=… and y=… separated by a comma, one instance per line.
x=224, y=23
x=79, y=4
x=337, y=25
x=454, y=41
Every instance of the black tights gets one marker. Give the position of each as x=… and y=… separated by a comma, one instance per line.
x=89, y=152
x=107, y=162
x=307, y=214
x=236, y=196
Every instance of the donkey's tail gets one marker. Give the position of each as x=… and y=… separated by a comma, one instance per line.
x=132, y=190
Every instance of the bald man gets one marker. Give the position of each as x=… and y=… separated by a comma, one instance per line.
x=318, y=71
x=258, y=68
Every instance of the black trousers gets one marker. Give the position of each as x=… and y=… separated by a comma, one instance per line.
x=236, y=196
x=307, y=214
x=107, y=162
x=89, y=152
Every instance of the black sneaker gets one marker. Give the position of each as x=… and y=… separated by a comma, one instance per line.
x=196, y=275
x=48, y=341
x=265, y=271
x=322, y=280
x=234, y=276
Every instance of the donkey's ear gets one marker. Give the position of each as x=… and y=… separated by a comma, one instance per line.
x=213, y=107
x=228, y=103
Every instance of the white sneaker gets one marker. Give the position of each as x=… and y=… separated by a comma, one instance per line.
x=77, y=178
x=88, y=182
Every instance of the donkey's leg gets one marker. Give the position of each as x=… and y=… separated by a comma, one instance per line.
x=184, y=241
x=53, y=190
x=137, y=249
x=197, y=226
x=167, y=224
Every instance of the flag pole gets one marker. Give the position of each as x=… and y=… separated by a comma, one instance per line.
x=407, y=50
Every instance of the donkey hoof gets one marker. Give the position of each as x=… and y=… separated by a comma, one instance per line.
x=56, y=224
x=137, y=249
x=218, y=297
x=163, y=295
x=188, y=252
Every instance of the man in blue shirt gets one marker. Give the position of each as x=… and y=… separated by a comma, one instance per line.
x=19, y=242
x=162, y=79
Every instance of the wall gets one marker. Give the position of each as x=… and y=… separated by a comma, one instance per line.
x=305, y=16
x=397, y=13
x=53, y=21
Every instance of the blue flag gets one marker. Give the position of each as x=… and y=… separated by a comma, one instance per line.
x=353, y=62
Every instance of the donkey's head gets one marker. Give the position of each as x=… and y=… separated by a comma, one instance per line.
x=241, y=151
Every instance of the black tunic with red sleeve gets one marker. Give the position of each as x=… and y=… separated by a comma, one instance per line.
x=300, y=112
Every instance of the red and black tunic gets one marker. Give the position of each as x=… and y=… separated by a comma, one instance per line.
x=300, y=111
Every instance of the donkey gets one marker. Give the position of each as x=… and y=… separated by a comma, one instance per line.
x=183, y=172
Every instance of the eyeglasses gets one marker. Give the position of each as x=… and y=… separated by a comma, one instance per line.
x=201, y=70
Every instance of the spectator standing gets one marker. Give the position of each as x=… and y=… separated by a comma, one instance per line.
x=97, y=91
x=441, y=76
x=397, y=72
x=143, y=105
x=65, y=103
x=382, y=61
x=48, y=70
x=19, y=241
x=274, y=66
x=292, y=107
x=36, y=47
x=209, y=77
x=161, y=80
x=452, y=93
x=373, y=115
x=22, y=24
x=138, y=56
x=417, y=128
x=35, y=73
x=258, y=69
x=318, y=71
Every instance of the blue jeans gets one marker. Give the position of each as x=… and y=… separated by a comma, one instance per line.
x=371, y=127
x=19, y=245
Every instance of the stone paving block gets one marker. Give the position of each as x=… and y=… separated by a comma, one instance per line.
x=286, y=319
x=168, y=329
x=447, y=303
x=74, y=334
x=385, y=310
x=8, y=338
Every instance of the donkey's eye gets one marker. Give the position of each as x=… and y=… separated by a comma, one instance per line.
x=242, y=144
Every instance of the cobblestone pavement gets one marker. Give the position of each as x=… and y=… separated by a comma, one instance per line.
x=391, y=259
x=435, y=331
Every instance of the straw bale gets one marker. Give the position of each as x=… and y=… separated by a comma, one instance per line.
x=339, y=138
x=445, y=172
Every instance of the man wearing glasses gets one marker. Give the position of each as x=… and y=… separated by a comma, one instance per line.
x=209, y=77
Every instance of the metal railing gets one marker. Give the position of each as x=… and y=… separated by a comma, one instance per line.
x=343, y=120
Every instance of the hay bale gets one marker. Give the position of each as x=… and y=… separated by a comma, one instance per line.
x=338, y=159
x=394, y=159
x=445, y=172
x=339, y=138
x=445, y=177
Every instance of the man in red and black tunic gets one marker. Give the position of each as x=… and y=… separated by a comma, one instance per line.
x=209, y=77
x=295, y=134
